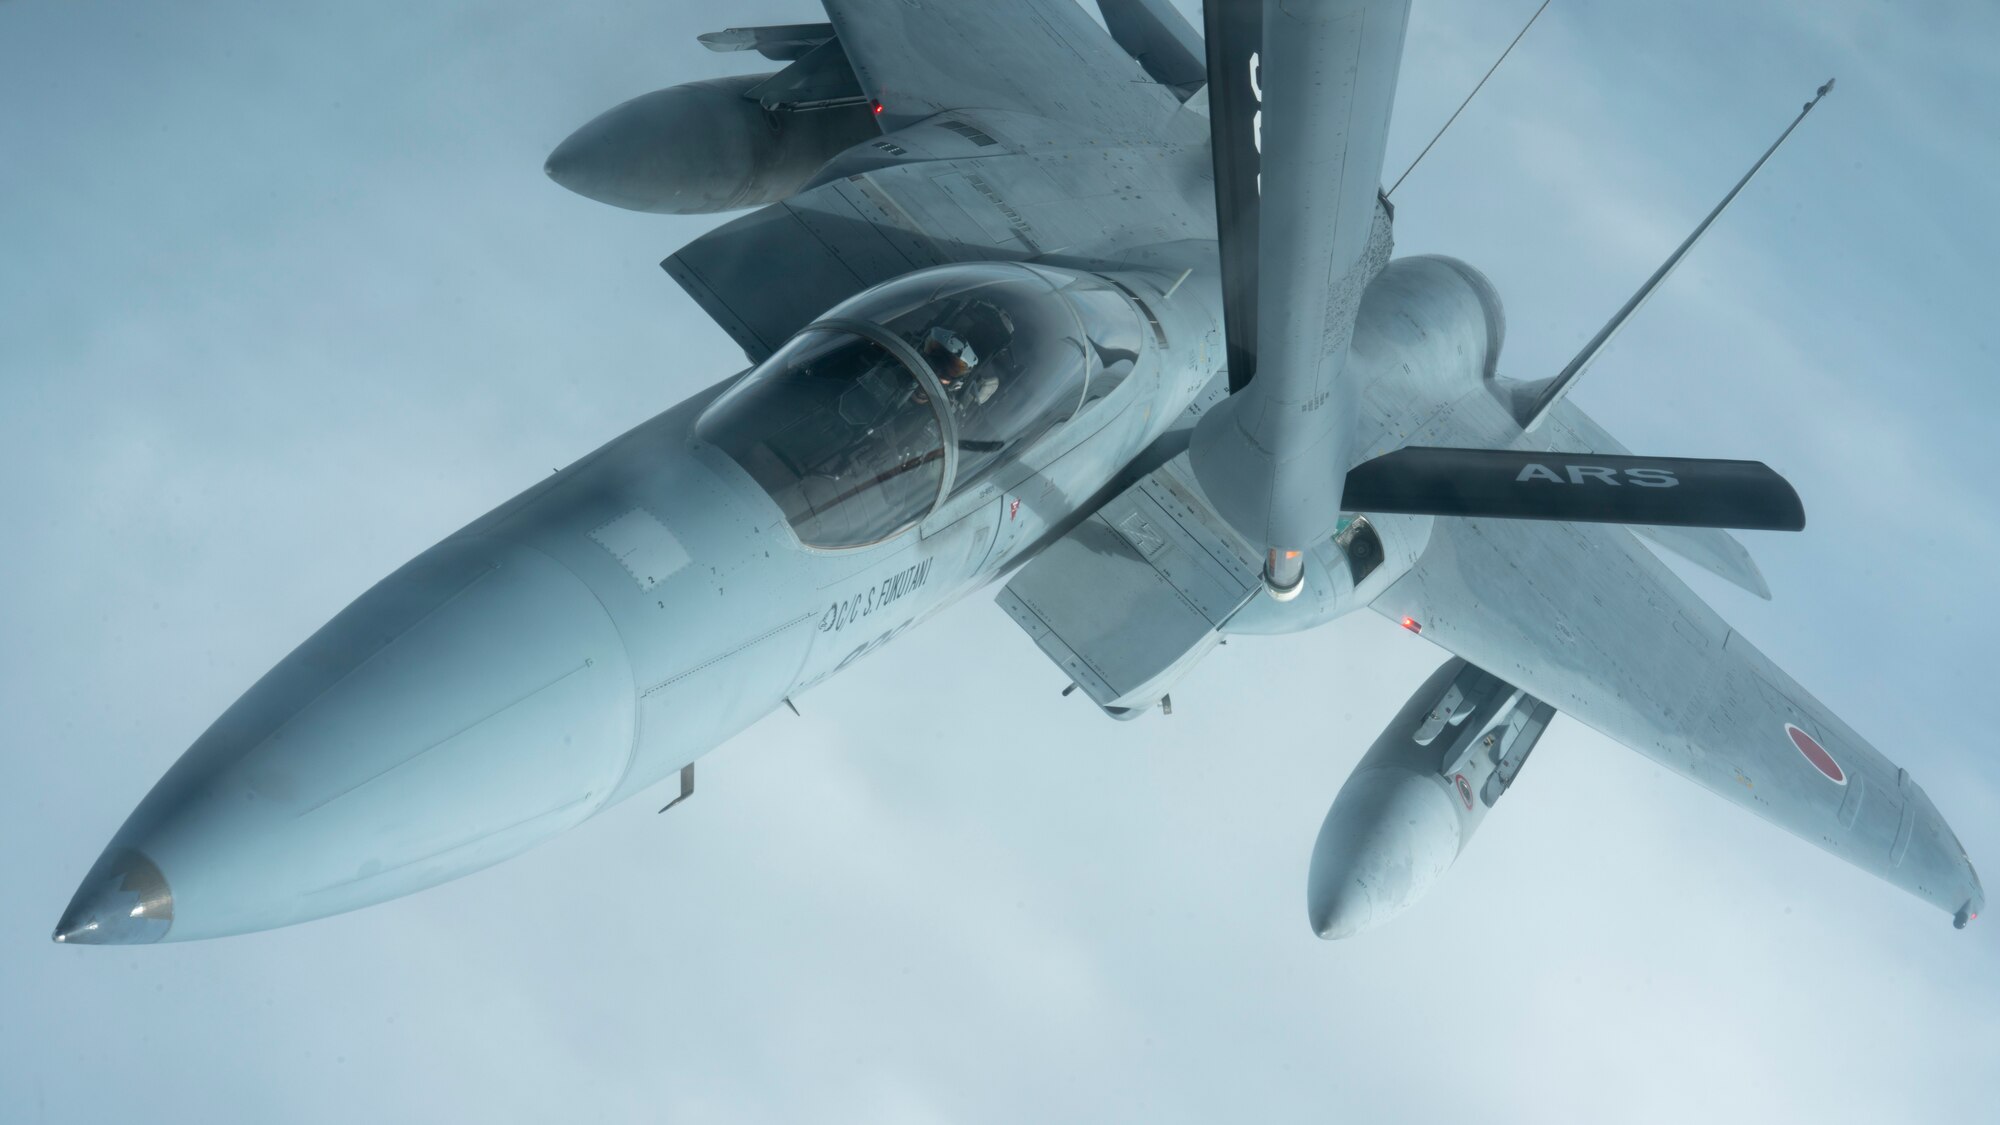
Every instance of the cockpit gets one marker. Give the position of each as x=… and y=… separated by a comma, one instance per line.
x=911, y=392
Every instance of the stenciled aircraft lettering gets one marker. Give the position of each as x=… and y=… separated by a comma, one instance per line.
x=1257, y=117
x=1583, y=474
x=891, y=589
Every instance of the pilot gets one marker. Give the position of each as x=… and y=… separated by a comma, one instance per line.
x=956, y=365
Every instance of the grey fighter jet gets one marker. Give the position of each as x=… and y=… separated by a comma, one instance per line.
x=1112, y=314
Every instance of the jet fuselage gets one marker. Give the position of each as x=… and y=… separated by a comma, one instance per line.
x=590, y=637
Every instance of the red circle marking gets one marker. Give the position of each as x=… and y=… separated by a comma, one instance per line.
x=1816, y=754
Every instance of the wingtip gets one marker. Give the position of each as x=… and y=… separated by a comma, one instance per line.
x=1753, y=580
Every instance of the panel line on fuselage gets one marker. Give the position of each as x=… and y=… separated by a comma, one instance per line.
x=713, y=660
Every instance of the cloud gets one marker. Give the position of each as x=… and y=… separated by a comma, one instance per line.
x=288, y=298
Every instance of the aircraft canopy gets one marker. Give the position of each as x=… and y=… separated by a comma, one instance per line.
x=902, y=396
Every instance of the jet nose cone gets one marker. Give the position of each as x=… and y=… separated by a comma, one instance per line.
x=1388, y=837
x=472, y=704
x=620, y=159
x=123, y=901
x=561, y=165
x=683, y=150
x=1336, y=912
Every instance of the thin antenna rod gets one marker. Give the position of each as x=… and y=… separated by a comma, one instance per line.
x=1552, y=390
x=1467, y=101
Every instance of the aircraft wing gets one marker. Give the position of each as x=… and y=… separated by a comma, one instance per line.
x=1585, y=618
x=917, y=58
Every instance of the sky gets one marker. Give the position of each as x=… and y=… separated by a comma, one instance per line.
x=285, y=297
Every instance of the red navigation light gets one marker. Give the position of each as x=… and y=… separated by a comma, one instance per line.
x=1410, y=623
x=876, y=106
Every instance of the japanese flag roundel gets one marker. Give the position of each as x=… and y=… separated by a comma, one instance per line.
x=1816, y=754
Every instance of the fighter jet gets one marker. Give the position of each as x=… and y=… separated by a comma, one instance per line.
x=1108, y=311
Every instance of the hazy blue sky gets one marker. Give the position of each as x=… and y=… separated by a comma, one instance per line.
x=285, y=297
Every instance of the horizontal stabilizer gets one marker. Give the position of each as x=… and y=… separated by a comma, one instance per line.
x=1583, y=488
x=1711, y=549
